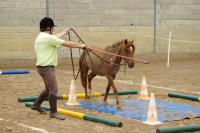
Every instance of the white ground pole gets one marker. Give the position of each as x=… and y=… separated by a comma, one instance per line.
x=152, y=86
x=26, y=126
x=33, y=128
x=169, y=47
x=129, y=82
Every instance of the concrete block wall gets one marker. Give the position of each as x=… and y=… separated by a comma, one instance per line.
x=100, y=23
x=19, y=26
x=182, y=17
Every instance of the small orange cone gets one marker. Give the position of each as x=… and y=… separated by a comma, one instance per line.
x=72, y=100
x=152, y=118
x=144, y=92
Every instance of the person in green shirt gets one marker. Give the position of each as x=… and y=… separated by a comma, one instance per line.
x=46, y=46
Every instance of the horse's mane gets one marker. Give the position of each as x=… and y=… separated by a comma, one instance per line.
x=117, y=43
x=114, y=45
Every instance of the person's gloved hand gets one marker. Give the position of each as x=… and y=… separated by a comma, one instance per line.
x=67, y=30
x=83, y=46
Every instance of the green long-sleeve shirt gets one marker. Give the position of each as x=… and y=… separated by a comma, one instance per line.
x=46, y=49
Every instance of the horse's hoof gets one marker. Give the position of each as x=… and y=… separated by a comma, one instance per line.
x=86, y=98
x=105, y=103
x=119, y=107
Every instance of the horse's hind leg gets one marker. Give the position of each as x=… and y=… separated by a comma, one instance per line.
x=84, y=74
x=90, y=77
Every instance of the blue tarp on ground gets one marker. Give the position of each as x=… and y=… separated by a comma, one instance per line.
x=138, y=109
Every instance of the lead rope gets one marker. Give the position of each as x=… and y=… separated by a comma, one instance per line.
x=80, y=40
x=71, y=54
x=72, y=61
x=83, y=49
x=125, y=67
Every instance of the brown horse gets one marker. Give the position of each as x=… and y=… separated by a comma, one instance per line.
x=105, y=65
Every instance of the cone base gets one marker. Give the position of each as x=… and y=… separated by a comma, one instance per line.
x=153, y=122
x=72, y=104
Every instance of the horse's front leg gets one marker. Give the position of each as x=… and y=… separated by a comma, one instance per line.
x=106, y=94
x=111, y=82
x=90, y=77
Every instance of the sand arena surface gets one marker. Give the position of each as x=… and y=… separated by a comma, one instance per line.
x=16, y=118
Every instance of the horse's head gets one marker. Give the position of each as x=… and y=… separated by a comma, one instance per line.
x=128, y=50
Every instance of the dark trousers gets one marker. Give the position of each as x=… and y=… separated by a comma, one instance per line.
x=48, y=75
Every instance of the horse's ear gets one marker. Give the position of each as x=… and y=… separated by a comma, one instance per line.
x=132, y=41
x=126, y=41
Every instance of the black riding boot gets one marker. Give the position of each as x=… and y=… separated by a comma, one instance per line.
x=53, y=108
x=38, y=102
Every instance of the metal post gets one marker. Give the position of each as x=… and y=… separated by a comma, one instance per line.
x=47, y=8
x=154, y=26
x=169, y=47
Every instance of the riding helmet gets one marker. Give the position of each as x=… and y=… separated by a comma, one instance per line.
x=46, y=22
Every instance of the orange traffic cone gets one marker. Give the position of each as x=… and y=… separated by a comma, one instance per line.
x=152, y=118
x=72, y=100
x=144, y=92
